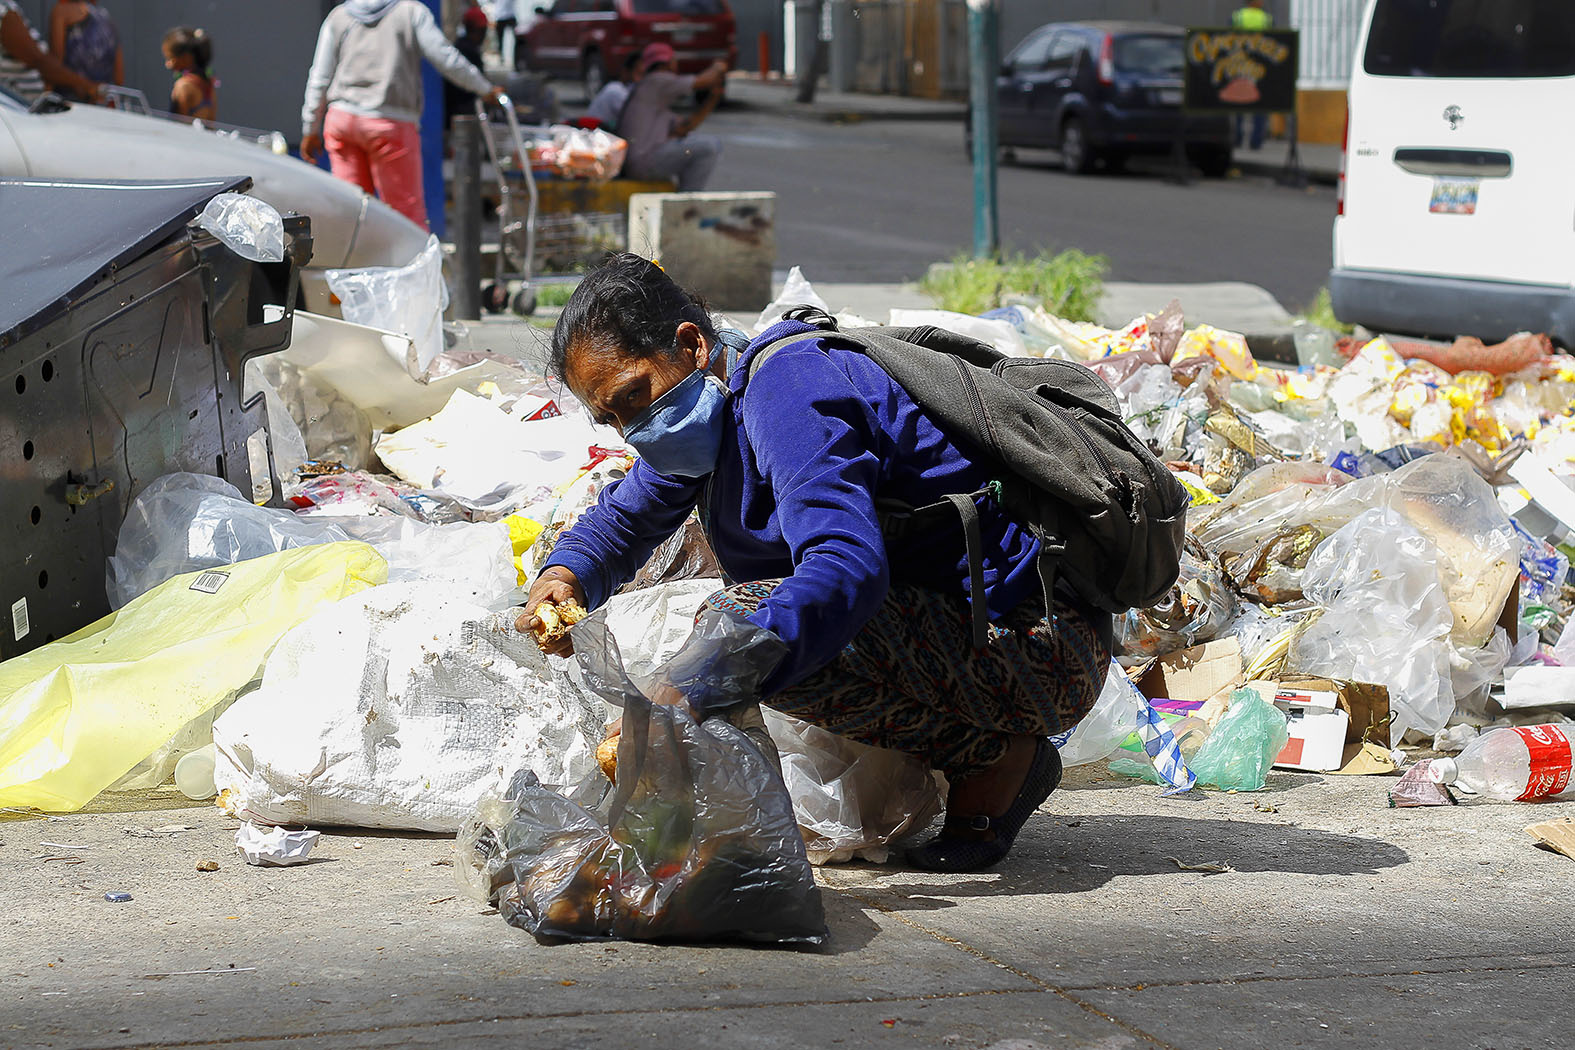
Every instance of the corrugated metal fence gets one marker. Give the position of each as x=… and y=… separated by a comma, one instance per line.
x=1330, y=30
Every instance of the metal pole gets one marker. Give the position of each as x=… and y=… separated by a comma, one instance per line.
x=466, y=132
x=983, y=65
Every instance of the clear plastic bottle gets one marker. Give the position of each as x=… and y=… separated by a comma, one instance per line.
x=1513, y=765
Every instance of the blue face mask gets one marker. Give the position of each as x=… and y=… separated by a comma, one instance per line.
x=681, y=433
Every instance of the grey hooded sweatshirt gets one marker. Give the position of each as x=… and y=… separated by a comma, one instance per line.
x=368, y=62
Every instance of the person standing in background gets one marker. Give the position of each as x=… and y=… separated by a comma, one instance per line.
x=470, y=41
x=26, y=66
x=504, y=20
x=607, y=106
x=363, y=96
x=188, y=53
x=1252, y=19
x=83, y=34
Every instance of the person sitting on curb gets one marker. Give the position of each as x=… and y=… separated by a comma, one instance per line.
x=661, y=144
x=610, y=100
x=363, y=96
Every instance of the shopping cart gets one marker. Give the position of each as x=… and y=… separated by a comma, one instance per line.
x=508, y=147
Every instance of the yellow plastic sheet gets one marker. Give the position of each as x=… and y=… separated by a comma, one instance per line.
x=78, y=713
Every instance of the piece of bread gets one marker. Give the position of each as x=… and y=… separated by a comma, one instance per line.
x=553, y=620
x=607, y=758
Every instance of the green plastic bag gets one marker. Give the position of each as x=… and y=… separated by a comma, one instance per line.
x=1239, y=752
x=79, y=712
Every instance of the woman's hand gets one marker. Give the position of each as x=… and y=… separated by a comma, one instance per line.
x=557, y=586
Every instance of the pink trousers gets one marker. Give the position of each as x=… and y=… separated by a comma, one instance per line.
x=381, y=156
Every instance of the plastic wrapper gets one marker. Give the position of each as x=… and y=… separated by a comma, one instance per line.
x=77, y=713
x=408, y=299
x=1200, y=605
x=1000, y=334
x=796, y=291
x=1386, y=619
x=248, y=226
x=699, y=842
x=578, y=153
x=851, y=800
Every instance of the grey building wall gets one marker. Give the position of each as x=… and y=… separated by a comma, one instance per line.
x=756, y=17
x=261, y=51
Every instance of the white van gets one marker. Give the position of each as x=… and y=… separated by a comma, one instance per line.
x=1457, y=195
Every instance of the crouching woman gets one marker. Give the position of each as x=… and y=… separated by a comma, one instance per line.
x=788, y=476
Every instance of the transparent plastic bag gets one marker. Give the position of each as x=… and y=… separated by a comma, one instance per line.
x=699, y=842
x=1235, y=755
x=1113, y=718
x=184, y=522
x=249, y=227
x=408, y=299
x=1385, y=618
x=850, y=799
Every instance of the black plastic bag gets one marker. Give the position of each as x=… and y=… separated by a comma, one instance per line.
x=699, y=842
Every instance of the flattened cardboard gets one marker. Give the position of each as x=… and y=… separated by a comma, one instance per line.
x=1557, y=835
x=1194, y=673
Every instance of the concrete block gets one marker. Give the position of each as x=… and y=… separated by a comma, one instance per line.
x=719, y=245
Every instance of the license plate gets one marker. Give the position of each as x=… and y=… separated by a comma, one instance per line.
x=1454, y=196
x=1168, y=96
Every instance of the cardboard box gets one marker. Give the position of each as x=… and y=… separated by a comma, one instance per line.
x=1194, y=673
x=1328, y=720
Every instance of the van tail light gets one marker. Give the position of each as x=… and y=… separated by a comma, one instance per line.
x=1345, y=152
x=1107, y=61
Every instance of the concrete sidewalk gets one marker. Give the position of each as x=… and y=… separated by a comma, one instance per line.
x=1306, y=915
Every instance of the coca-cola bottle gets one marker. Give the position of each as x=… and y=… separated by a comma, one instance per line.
x=1518, y=764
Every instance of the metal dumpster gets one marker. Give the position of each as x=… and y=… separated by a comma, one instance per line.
x=123, y=333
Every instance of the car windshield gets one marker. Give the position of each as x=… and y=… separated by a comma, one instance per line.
x=1471, y=38
x=1153, y=56
x=677, y=7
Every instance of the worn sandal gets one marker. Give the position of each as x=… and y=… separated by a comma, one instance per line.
x=953, y=853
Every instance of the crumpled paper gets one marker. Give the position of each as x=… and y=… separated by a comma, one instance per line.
x=274, y=847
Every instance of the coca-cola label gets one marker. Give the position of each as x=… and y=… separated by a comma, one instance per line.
x=1550, y=761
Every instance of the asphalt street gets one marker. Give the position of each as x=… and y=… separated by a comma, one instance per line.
x=881, y=201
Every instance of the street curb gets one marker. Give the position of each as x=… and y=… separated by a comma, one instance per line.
x=814, y=112
x=1274, y=169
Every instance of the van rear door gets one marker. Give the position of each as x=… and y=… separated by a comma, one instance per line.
x=1458, y=160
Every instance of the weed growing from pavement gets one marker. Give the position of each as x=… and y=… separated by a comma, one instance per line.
x=1067, y=283
x=1321, y=313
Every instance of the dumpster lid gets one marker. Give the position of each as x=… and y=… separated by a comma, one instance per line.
x=60, y=235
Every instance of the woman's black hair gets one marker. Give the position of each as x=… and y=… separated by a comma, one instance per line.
x=194, y=43
x=628, y=306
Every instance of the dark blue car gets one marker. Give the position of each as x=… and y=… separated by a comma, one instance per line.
x=1104, y=91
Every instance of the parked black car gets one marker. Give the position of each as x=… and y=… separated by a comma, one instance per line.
x=1103, y=91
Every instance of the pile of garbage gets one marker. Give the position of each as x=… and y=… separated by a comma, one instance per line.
x=1377, y=561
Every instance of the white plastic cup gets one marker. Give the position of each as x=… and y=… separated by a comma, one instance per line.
x=194, y=774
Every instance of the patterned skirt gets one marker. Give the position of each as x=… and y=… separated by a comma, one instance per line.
x=911, y=679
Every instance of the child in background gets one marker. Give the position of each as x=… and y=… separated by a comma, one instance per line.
x=188, y=53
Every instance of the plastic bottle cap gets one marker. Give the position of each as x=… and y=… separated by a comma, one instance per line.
x=1442, y=771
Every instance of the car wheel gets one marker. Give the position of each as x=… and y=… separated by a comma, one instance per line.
x=1077, y=157
x=524, y=302
x=592, y=75
x=1214, y=162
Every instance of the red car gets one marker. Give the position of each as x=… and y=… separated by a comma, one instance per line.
x=591, y=39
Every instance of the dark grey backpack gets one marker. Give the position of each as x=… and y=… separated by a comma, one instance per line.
x=1108, y=515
